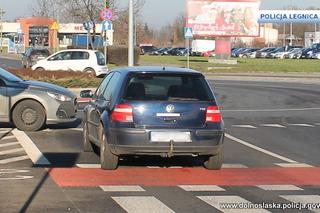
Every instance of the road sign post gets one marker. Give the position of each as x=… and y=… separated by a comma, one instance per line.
x=188, y=35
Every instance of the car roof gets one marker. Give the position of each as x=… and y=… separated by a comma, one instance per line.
x=156, y=69
x=72, y=50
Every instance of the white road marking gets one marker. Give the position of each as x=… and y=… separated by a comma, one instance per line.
x=218, y=202
x=293, y=165
x=8, y=144
x=15, y=159
x=4, y=132
x=122, y=188
x=31, y=149
x=270, y=110
x=301, y=125
x=279, y=187
x=305, y=199
x=89, y=166
x=233, y=166
x=13, y=171
x=244, y=126
x=273, y=125
x=8, y=137
x=142, y=204
x=260, y=149
x=18, y=177
x=317, y=124
x=153, y=167
x=10, y=151
x=201, y=188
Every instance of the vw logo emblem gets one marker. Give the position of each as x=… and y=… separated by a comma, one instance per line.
x=170, y=108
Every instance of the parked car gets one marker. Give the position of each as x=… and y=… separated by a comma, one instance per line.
x=154, y=111
x=31, y=104
x=146, y=49
x=272, y=54
x=89, y=61
x=175, y=51
x=248, y=53
x=306, y=53
x=293, y=53
x=263, y=52
x=32, y=55
x=210, y=53
x=284, y=54
x=316, y=54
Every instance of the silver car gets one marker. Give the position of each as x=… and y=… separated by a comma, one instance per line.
x=32, y=104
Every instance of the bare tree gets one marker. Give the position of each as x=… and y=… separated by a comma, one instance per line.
x=47, y=8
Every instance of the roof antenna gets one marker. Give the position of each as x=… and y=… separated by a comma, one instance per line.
x=163, y=68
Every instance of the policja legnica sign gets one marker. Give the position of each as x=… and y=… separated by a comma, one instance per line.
x=289, y=16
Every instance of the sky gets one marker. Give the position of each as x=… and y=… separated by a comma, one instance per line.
x=156, y=13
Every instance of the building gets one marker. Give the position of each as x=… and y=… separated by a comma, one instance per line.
x=311, y=38
x=41, y=31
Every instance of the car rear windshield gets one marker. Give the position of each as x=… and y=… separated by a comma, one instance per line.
x=100, y=59
x=40, y=52
x=169, y=87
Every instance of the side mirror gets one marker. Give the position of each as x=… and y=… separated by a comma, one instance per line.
x=86, y=94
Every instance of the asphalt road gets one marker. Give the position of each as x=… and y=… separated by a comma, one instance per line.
x=10, y=62
x=271, y=156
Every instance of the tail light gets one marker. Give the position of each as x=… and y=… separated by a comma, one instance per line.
x=213, y=114
x=122, y=113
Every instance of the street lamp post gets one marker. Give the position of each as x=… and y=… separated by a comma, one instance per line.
x=291, y=26
x=130, y=36
x=1, y=30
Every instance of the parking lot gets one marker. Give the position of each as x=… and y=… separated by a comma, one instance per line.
x=271, y=156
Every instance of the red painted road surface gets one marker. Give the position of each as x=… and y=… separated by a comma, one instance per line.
x=72, y=177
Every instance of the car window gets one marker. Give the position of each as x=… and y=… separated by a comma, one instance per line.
x=99, y=92
x=109, y=91
x=61, y=56
x=152, y=86
x=100, y=58
x=40, y=52
x=79, y=55
x=2, y=84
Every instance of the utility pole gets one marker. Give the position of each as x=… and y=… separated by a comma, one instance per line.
x=291, y=26
x=106, y=5
x=130, y=36
x=1, y=30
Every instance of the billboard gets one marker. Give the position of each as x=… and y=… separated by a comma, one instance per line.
x=289, y=16
x=213, y=18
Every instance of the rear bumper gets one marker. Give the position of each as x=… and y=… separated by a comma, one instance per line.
x=138, y=142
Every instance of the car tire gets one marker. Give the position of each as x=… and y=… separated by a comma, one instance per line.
x=29, y=115
x=214, y=162
x=87, y=145
x=90, y=72
x=39, y=69
x=108, y=160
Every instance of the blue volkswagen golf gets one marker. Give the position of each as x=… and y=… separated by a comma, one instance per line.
x=162, y=111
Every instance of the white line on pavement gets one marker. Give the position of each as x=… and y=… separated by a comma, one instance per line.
x=305, y=199
x=89, y=166
x=260, y=149
x=145, y=204
x=273, y=125
x=15, y=159
x=279, y=188
x=31, y=149
x=8, y=137
x=233, y=166
x=9, y=144
x=201, y=188
x=270, y=110
x=293, y=165
x=122, y=188
x=218, y=201
x=301, y=125
x=10, y=151
x=245, y=126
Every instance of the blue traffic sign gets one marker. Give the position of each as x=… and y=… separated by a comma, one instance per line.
x=107, y=25
x=188, y=32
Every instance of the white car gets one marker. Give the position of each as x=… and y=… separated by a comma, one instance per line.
x=91, y=61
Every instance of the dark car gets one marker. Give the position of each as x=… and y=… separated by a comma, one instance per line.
x=146, y=49
x=154, y=111
x=263, y=52
x=32, y=55
x=176, y=51
x=31, y=104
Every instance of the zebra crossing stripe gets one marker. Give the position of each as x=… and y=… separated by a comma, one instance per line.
x=293, y=165
x=10, y=151
x=279, y=187
x=233, y=166
x=9, y=144
x=15, y=159
x=89, y=166
x=122, y=188
x=302, y=125
x=201, y=188
x=142, y=204
x=8, y=137
x=223, y=203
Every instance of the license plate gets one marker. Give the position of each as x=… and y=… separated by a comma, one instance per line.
x=171, y=136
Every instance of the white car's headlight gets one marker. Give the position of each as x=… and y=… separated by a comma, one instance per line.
x=59, y=97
